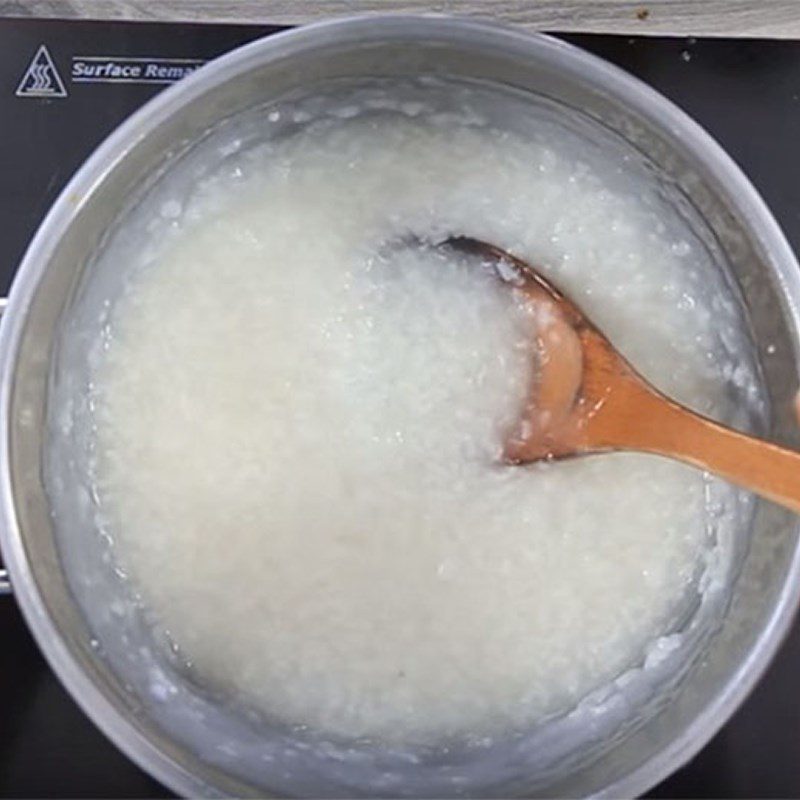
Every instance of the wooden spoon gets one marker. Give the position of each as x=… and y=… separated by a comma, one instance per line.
x=587, y=398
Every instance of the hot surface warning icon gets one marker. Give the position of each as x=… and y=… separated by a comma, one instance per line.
x=41, y=79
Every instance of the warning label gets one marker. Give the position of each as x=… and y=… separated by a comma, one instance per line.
x=41, y=78
x=129, y=69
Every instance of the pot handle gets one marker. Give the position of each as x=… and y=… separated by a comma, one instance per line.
x=5, y=583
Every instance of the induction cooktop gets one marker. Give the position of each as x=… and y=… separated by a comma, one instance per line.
x=64, y=85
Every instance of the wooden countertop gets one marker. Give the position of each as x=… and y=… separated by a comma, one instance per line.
x=748, y=18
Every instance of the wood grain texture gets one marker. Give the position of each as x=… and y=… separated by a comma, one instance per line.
x=768, y=18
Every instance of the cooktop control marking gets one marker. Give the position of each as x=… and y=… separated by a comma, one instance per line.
x=41, y=78
x=131, y=69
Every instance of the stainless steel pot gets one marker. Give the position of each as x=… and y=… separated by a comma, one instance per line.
x=766, y=592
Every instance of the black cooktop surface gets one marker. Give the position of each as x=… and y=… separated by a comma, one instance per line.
x=65, y=85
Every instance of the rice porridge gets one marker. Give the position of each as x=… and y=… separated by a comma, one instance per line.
x=297, y=417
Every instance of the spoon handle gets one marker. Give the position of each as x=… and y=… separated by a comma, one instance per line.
x=674, y=431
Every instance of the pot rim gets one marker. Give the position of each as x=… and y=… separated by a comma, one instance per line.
x=631, y=91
